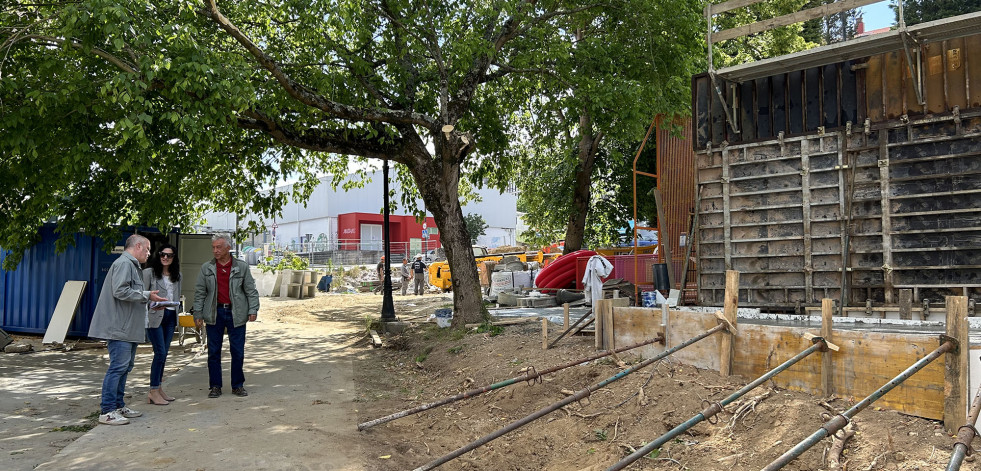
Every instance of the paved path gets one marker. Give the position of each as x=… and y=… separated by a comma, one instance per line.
x=299, y=413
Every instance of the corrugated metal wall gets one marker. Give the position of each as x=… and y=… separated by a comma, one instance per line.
x=30, y=293
x=676, y=171
x=866, y=193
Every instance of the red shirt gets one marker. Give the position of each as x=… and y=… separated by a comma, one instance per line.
x=224, y=272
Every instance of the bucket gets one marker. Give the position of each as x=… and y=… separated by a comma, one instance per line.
x=648, y=298
x=661, y=280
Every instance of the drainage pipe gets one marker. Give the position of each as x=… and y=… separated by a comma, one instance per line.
x=579, y=395
x=530, y=376
x=965, y=434
x=713, y=409
x=839, y=421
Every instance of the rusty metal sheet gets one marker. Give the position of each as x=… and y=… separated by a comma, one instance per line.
x=893, y=72
x=873, y=89
x=933, y=78
x=956, y=75
x=972, y=46
x=676, y=169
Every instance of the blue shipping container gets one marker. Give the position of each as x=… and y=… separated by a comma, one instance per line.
x=29, y=294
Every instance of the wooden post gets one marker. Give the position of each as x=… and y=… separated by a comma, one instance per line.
x=906, y=304
x=609, y=342
x=544, y=334
x=956, y=366
x=827, y=373
x=598, y=307
x=565, y=317
x=729, y=311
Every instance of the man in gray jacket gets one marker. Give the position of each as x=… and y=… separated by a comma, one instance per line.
x=120, y=319
x=225, y=298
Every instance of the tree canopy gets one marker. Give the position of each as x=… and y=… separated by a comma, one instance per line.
x=147, y=112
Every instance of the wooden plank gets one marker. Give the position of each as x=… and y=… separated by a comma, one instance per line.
x=827, y=362
x=544, y=334
x=598, y=308
x=884, y=204
x=726, y=208
x=376, y=341
x=729, y=311
x=789, y=19
x=805, y=179
x=565, y=316
x=61, y=319
x=636, y=324
x=609, y=328
x=728, y=6
x=956, y=372
x=906, y=304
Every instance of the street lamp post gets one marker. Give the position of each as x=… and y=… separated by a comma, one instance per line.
x=388, y=305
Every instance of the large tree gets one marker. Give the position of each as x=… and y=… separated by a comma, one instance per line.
x=621, y=69
x=921, y=11
x=120, y=112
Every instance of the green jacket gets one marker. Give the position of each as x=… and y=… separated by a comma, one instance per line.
x=241, y=290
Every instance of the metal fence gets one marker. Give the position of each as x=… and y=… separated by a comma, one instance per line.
x=338, y=252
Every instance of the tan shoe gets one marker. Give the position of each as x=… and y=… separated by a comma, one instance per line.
x=166, y=396
x=156, y=399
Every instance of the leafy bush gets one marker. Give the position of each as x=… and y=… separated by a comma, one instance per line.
x=289, y=261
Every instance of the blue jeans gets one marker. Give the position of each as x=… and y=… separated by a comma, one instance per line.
x=160, y=338
x=122, y=355
x=236, y=345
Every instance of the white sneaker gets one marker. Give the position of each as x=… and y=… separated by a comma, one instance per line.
x=113, y=418
x=129, y=413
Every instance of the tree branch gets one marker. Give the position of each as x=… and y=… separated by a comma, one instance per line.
x=121, y=64
x=306, y=95
x=320, y=140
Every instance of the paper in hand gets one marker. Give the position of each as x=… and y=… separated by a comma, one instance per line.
x=156, y=304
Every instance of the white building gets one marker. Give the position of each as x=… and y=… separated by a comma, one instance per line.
x=344, y=217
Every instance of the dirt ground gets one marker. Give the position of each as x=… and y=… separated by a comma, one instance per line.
x=427, y=363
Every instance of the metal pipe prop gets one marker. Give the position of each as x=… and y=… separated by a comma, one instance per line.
x=965, y=434
x=841, y=420
x=556, y=406
x=715, y=408
x=530, y=376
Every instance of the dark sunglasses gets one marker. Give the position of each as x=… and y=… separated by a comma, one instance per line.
x=166, y=255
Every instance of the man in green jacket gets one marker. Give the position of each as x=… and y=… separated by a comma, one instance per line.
x=225, y=297
x=120, y=320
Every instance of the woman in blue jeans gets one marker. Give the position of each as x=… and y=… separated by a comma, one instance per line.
x=163, y=275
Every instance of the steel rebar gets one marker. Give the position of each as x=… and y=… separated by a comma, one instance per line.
x=715, y=408
x=530, y=376
x=965, y=434
x=841, y=420
x=579, y=395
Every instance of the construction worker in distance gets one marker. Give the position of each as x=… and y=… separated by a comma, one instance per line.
x=419, y=272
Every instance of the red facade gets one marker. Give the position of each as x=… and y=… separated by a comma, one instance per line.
x=402, y=228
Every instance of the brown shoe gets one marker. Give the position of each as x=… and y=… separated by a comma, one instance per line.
x=166, y=396
x=240, y=392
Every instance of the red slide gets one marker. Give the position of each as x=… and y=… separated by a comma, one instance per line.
x=561, y=273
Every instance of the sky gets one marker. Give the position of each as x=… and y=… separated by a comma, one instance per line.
x=878, y=15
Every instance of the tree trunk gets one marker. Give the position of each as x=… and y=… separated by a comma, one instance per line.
x=438, y=180
x=575, y=231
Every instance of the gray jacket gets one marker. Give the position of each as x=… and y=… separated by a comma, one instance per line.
x=121, y=310
x=155, y=317
x=241, y=290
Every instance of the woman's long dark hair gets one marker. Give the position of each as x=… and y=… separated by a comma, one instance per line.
x=158, y=268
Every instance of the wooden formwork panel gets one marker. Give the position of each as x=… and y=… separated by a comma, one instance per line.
x=866, y=360
x=904, y=199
